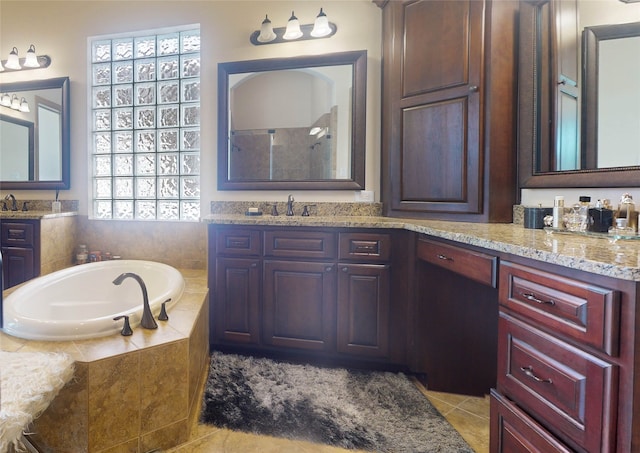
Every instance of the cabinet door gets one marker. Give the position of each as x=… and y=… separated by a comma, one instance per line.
x=363, y=309
x=236, y=303
x=18, y=265
x=435, y=106
x=299, y=304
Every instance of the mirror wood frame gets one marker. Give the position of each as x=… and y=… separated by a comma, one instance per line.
x=528, y=142
x=358, y=61
x=33, y=85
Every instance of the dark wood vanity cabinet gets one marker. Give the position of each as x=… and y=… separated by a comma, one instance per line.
x=20, y=242
x=455, y=317
x=565, y=362
x=324, y=291
x=448, y=132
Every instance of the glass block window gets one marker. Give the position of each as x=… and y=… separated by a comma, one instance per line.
x=145, y=125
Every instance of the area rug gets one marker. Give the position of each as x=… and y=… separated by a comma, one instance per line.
x=365, y=410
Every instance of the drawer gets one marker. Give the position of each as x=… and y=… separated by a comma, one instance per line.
x=238, y=241
x=299, y=244
x=20, y=234
x=585, y=312
x=513, y=431
x=474, y=265
x=572, y=393
x=364, y=246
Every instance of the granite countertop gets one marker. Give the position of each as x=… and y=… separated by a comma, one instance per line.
x=620, y=259
x=35, y=214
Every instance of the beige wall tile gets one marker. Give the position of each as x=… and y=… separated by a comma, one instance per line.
x=163, y=385
x=114, y=393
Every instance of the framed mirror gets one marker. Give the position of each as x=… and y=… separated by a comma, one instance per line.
x=34, y=141
x=559, y=111
x=292, y=123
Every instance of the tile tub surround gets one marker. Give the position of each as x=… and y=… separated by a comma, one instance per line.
x=130, y=393
x=596, y=255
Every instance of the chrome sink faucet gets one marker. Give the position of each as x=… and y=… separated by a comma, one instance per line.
x=147, y=317
x=290, y=201
x=14, y=204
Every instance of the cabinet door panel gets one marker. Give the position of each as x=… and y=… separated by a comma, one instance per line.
x=299, y=304
x=236, y=300
x=438, y=50
x=363, y=309
x=18, y=265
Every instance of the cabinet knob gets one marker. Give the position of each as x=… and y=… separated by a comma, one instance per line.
x=473, y=88
x=345, y=269
x=328, y=268
x=254, y=264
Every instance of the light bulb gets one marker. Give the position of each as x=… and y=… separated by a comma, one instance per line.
x=13, y=61
x=266, y=31
x=293, y=28
x=31, y=60
x=321, y=26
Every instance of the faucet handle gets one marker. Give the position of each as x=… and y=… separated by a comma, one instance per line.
x=126, y=329
x=163, y=311
x=24, y=206
x=4, y=206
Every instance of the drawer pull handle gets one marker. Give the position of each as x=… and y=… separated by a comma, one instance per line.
x=366, y=248
x=528, y=370
x=444, y=257
x=533, y=298
x=236, y=243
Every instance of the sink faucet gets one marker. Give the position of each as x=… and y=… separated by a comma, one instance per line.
x=290, y=201
x=14, y=204
x=147, y=317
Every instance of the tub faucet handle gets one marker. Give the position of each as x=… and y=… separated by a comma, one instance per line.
x=163, y=311
x=126, y=329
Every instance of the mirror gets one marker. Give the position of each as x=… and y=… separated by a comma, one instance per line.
x=611, y=99
x=559, y=112
x=292, y=123
x=34, y=145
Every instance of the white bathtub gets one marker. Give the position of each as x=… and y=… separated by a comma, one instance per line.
x=80, y=302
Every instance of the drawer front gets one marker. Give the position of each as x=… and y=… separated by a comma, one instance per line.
x=364, y=246
x=474, y=265
x=19, y=234
x=238, y=241
x=513, y=431
x=299, y=244
x=567, y=390
x=587, y=313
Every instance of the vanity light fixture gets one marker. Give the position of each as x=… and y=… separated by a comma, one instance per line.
x=321, y=28
x=13, y=102
x=31, y=61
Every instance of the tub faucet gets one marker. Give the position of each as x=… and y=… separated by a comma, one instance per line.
x=14, y=204
x=147, y=317
x=290, y=201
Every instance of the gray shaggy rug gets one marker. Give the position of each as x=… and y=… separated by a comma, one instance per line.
x=367, y=410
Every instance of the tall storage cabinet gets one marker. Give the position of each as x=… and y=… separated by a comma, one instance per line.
x=448, y=121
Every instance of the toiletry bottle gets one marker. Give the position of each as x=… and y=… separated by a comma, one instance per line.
x=585, y=218
x=558, y=212
x=602, y=217
x=627, y=211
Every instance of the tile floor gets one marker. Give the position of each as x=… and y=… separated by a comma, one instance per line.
x=469, y=415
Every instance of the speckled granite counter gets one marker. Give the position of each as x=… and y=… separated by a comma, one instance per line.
x=35, y=215
x=596, y=255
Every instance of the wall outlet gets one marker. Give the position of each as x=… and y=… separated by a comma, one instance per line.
x=365, y=196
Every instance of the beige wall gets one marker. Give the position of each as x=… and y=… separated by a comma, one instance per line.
x=61, y=28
